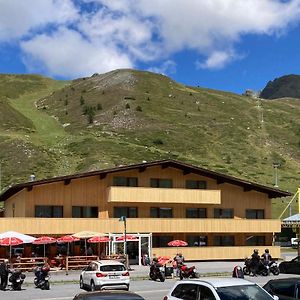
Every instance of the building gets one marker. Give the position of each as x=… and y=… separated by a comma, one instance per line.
x=220, y=216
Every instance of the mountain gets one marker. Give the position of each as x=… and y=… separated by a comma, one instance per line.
x=285, y=86
x=52, y=128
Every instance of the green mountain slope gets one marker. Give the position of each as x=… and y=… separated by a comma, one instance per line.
x=128, y=116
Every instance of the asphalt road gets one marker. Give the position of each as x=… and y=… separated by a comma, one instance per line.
x=66, y=291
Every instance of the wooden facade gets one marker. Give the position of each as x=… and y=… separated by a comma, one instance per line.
x=99, y=190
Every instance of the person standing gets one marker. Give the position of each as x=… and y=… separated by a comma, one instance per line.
x=178, y=262
x=4, y=274
x=255, y=259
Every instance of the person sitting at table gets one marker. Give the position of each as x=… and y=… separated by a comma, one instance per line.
x=89, y=251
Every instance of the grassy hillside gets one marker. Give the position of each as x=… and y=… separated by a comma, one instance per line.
x=128, y=116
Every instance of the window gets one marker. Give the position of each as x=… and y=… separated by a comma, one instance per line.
x=284, y=288
x=128, y=212
x=255, y=240
x=206, y=293
x=197, y=240
x=186, y=291
x=224, y=240
x=161, y=212
x=195, y=184
x=84, y=212
x=161, y=241
x=255, y=214
x=223, y=213
x=195, y=213
x=161, y=183
x=48, y=211
x=125, y=181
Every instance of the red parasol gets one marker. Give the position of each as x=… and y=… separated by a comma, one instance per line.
x=99, y=239
x=43, y=240
x=129, y=238
x=67, y=239
x=177, y=243
x=10, y=241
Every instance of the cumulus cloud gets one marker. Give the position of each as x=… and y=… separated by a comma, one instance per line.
x=167, y=67
x=124, y=33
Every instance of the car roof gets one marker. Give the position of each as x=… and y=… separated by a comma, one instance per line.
x=283, y=279
x=108, y=262
x=110, y=295
x=220, y=282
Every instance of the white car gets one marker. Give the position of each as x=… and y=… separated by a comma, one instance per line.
x=218, y=289
x=104, y=274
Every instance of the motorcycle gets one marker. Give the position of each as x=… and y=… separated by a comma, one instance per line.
x=273, y=267
x=42, y=277
x=187, y=272
x=16, y=279
x=261, y=270
x=157, y=272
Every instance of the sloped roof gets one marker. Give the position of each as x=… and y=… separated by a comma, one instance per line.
x=295, y=217
x=168, y=163
x=292, y=221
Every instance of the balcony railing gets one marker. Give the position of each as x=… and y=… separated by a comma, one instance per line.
x=162, y=195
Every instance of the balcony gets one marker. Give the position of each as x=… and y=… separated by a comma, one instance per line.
x=59, y=226
x=162, y=195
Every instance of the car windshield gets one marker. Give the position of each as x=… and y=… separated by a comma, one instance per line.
x=243, y=292
x=112, y=268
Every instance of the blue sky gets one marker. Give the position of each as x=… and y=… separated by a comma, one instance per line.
x=229, y=45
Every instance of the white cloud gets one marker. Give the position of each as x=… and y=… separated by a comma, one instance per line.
x=122, y=33
x=18, y=18
x=66, y=53
x=167, y=67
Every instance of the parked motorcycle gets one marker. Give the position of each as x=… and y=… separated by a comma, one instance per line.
x=187, y=272
x=261, y=270
x=273, y=267
x=16, y=279
x=42, y=277
x=157, y=272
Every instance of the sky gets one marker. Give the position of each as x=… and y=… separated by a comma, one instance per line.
x=229, y=45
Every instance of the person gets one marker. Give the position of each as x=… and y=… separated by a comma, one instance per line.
x=154, y=264
x=146, y=259
x=4, y=271
x=178, y=262
x=89, y=251
x=255, y=259
x=266, y=257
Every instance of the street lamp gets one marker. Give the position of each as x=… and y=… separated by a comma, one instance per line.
x=276, y=166
x=123, y=219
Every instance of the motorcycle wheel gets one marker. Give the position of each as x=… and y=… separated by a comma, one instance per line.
x=275, y=271
x=35, y=282
x=46, y=286
x=17, y=287
x=152, y=277
x=162, y=277
x=246, y=271
x=264, y=272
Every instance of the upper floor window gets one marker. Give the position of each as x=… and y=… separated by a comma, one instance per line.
x=255, y=214
x=125, y=181
x=84, y=212
x=223, y=213
x=224, y=240
x=128, y=212
x=196, y=212
x=48, y=211
x=255, y=240
x=161, y=212
x=197, y=240
x=161, y=183
x=195, y=184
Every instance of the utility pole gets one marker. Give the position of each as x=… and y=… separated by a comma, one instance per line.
x=276, y=166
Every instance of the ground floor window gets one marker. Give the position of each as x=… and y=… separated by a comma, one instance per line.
x=224, y=240
x=197, y=240
x=48, y=211
x=161, y=241
x=255, y=240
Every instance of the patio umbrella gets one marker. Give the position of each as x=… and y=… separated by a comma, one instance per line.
x=177, y=243
x=86, y=235
x=43, y=240
x=10, y=241
x=98, y=240
x=67, y=239
x=24, y=237
x=129, y=238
